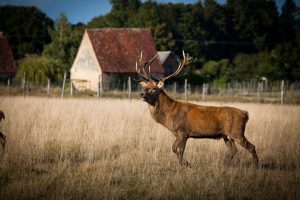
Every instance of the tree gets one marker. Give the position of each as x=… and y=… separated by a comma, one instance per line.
x=245, y=66
x=286, y=59
x=122, y=11
x=26, y=29
x=148, y=17
x=191, y=27
x=39, y=69
x=65, y=42
x=287, y=20
x=219, y=71
x=266, y=66
x=255, y=22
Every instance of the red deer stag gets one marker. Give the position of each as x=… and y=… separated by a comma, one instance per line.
x=187, y=120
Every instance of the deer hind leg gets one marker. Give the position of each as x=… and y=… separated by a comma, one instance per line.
x=250, y=147
x=232, y=150
x=178, y=148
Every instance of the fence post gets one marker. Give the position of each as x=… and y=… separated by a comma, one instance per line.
x=8, y=86
x=124, y=90
x=203, y=90
x=185, y=90
x=23, y=84
x=270, y=89
x=282, y=92
x=259, y=92
x=28, y=87
x=129, y=88
x=63, y=86
x=71, y=88
x=228, y=90
x=99, y=87
x=48, y=88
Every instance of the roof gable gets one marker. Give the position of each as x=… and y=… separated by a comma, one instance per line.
x=7, y=62
x=163, y=55
x=118, y=49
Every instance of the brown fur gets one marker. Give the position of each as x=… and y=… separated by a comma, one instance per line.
x=187, y=120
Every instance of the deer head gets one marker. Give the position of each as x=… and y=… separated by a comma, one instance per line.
x=152, y=87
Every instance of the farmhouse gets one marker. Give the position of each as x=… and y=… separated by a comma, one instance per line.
x=111, y=53
x=169, y=61
x=7, y=62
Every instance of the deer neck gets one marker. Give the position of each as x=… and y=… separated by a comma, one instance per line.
x=162, y=107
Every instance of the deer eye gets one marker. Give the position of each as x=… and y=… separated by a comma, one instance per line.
x=152, y=90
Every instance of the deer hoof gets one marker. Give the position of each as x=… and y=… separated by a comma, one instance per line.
x=185, y=163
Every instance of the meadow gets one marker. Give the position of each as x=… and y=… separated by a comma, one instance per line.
x=112, y=149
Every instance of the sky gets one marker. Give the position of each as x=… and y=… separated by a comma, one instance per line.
x=84, y=10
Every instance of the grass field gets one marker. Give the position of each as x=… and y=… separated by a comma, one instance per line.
x=112, y=149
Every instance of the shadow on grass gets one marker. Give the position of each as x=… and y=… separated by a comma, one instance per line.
x=276, y=166
x=272, y=166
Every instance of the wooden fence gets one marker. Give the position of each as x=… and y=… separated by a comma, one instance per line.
x=282, y=92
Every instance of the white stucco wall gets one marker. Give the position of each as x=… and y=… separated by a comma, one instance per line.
x=85, y=67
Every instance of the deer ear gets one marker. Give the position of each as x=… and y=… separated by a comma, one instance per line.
x=160, y=84
x=143, y=84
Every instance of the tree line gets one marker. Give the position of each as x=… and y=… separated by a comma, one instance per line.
x=238, y=40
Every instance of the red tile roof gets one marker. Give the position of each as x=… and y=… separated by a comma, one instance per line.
x=118, y=49
x=7, y=62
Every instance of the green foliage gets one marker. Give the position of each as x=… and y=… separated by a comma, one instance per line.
x=26, y=29
x=241, y=39
x=39, y=69
x=255, y=21
x=286, y=58
x=220, y=71
x=65, y=42
x=287, y=20
x=266, y=66
x=245, y=66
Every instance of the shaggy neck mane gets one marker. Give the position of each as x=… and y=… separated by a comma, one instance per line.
x=164, y=101
x=162, y=107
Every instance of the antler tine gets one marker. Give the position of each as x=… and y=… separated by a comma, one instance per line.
x=144, y=74
x=186, y=61
x=147, y=64
x=141, y=57
x=151, y=75
x=139, y=73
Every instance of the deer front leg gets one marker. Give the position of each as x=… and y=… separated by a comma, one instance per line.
x=178, y=148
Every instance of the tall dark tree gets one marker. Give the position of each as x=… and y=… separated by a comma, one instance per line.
x=215, y=24
x=255, y=22
x=26, y=29
x=192, y=28
x=122, y=11
x=287, y=20
x=240, y=34
x=65, y=42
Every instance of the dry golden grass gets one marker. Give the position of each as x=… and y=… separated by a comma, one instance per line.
x=112, y=149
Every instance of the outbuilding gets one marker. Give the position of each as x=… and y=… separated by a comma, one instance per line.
x=110, y=53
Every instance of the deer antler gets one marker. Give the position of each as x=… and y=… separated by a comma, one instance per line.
x=186, y=61
x=145, y=76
